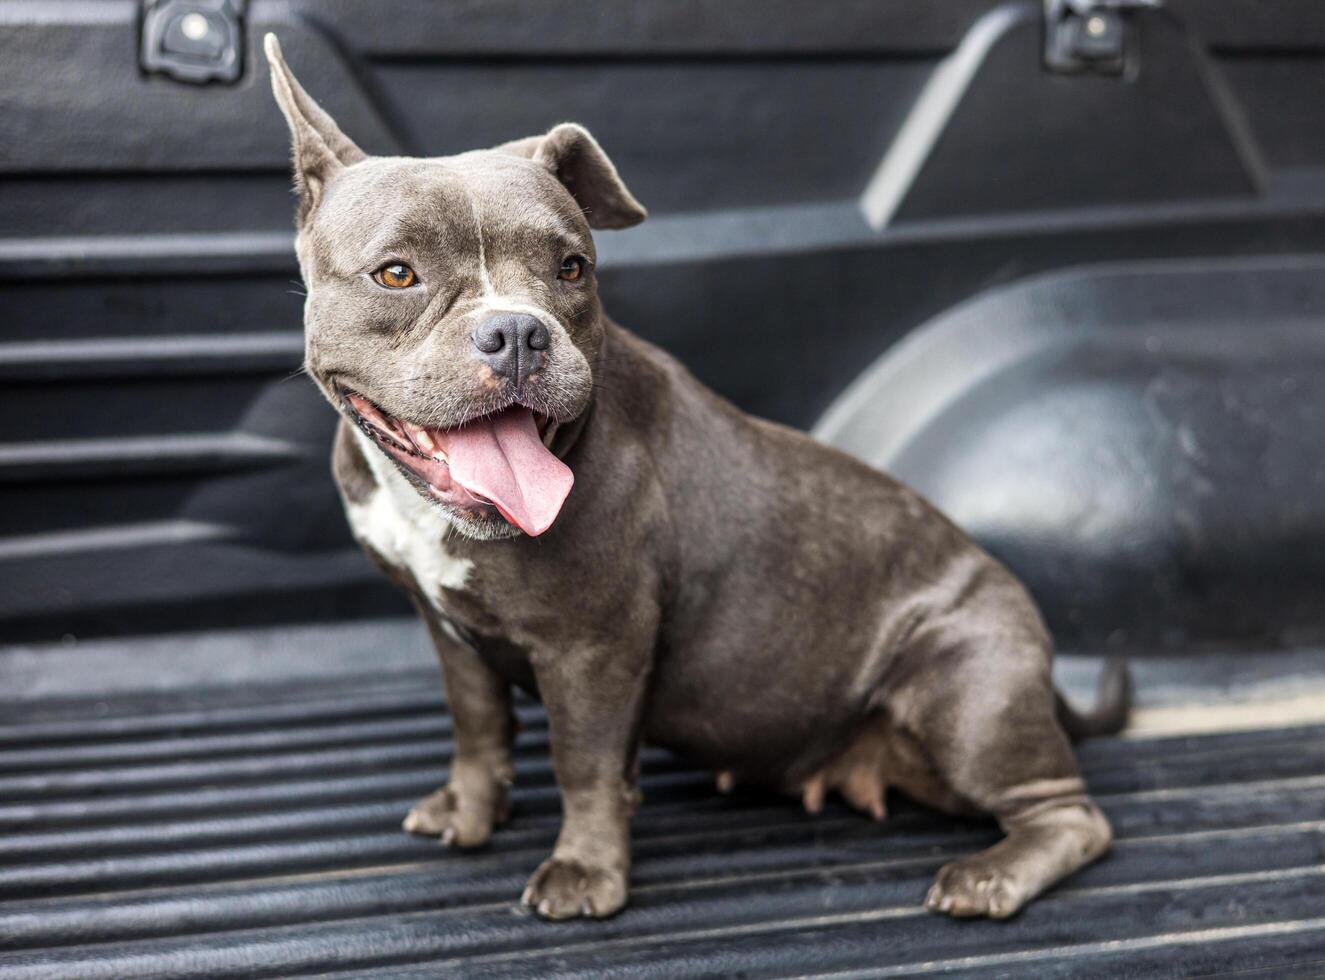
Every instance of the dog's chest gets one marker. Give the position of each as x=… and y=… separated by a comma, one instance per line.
x=407, y=532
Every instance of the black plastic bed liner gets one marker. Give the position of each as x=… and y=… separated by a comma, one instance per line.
x=258, y=836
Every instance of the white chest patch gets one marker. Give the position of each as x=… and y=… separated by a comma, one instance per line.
x=406, y=530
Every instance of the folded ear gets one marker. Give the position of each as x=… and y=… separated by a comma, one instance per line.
x=576, y=159
x=320, y=149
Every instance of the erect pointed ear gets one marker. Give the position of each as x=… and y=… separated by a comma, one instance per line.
x=576, y=159
x=320, y=149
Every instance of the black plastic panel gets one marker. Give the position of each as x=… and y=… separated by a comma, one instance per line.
x=708, y=134
x=1085, y=139
x=149, y=294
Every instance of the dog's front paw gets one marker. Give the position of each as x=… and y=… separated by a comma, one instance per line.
x=975, y=887
x=562, y=889
x=457, y=817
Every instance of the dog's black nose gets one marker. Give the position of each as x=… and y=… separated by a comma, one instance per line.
x=512, y=344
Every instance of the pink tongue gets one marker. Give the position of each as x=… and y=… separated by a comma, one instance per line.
x=501, y=457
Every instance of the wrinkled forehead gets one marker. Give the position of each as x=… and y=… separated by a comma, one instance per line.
x=402, y=207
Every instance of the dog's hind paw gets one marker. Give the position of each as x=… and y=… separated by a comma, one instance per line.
x=562, y=889
x=973, y=887
x=450, y=815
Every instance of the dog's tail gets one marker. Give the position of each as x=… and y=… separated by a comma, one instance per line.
x=1113, y=703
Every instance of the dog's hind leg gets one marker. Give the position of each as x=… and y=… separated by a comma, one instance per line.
x=984, y=717
x=1052, y=829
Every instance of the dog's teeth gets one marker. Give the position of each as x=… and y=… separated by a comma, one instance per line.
x=422, y=439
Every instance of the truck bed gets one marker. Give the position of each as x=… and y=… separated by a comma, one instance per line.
x=252, y=829
x=1081, y=311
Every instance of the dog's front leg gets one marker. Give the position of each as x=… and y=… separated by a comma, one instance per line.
x=474, y=800
x=594, y=696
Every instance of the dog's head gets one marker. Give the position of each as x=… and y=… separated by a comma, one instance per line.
x=452, y=310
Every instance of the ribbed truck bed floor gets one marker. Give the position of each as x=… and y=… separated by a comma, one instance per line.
x=258, y=835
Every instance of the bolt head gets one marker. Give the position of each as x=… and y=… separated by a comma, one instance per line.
x=194, y=26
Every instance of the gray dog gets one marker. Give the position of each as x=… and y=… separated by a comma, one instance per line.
x=727, y=588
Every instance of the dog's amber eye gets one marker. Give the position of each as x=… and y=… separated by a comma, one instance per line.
x=571, y=268
x=396, y=276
